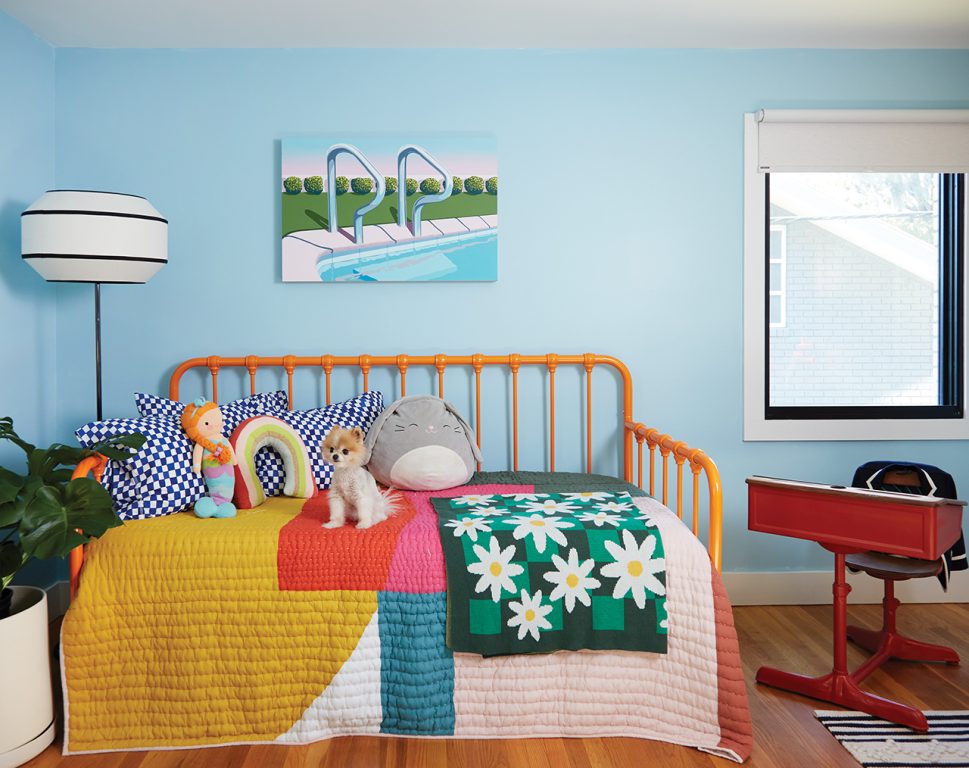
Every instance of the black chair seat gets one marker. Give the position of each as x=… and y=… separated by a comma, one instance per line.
x=892, y=567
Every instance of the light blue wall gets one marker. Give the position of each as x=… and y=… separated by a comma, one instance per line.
x=27, y=303
x=660, y=132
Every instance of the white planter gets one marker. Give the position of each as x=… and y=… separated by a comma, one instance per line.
x=27, y=703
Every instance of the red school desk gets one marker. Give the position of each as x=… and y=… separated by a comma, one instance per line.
x=845, y=521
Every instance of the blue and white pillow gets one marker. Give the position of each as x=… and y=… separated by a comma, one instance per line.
x=234, y=412
x=312, y=426
x=158, y=479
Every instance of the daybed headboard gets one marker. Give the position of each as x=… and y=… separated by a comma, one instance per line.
x=632, y=431
x=647, y=439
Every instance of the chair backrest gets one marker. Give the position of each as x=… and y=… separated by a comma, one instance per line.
x=922, y=479
x=905, y=477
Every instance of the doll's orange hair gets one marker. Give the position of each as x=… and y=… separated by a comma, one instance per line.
x=190, y=423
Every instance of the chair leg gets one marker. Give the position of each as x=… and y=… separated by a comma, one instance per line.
x=886, y=643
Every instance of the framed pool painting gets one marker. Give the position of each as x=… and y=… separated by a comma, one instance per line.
x=394, y=207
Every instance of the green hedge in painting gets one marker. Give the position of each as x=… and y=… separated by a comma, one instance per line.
x=430, y=186
x=458, y=182
x=474, y=185
x=313, y=185
x=292, y=185
x=492, y=185
x=411, y=186
x=342, y=185
x=391, y=185
x=361, y=185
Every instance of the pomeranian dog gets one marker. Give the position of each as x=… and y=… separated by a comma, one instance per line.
x=353, y=491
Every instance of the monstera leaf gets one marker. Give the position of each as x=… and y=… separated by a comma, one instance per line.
x=120, y=447
x=7, y=433
x=50, y=523
x=10, y=485
x=51, y=512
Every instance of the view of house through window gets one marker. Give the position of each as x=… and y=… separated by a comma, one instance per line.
x=853, y=294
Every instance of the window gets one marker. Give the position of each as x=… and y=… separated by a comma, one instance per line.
x=854, y=276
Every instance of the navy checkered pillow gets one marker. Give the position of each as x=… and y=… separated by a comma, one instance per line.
x=234, y=412
x=312, y=426
x=158, y=479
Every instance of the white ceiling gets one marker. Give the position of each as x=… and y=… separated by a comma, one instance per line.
x=497, y=23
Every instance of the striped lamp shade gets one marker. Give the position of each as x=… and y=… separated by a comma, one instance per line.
x=81, y=236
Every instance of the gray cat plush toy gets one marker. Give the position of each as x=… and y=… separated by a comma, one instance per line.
x=421, y=443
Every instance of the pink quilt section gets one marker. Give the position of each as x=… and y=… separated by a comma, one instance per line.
x=418, y=562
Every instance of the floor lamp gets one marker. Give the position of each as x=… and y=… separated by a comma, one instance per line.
x=81, y=236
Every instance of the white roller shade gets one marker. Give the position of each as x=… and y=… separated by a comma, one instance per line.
x=901, y=140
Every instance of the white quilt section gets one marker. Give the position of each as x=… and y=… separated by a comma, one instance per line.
x=351, y=702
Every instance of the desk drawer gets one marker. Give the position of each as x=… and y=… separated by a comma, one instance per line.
x=915, y=529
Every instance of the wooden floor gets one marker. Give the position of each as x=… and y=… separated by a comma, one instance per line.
x=786, y=734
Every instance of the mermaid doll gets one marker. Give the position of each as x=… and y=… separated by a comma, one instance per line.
x=213, y=457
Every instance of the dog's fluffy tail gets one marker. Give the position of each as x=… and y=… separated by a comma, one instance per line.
x=389, y=504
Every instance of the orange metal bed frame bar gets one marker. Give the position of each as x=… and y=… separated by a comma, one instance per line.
x=653, y=439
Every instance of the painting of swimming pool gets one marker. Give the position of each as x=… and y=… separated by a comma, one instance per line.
x=390, y=207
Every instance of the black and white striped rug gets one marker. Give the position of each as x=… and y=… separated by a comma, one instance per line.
x=877, y=743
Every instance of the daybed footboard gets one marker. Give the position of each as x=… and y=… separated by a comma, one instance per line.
x=699, y=462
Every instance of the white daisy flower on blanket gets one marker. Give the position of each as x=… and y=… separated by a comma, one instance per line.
x=541, y=528
x=469, y=526
x=647, y=519
x=600, y=518
x=495, y=568
x=549, y=507
x=529, y=615
x=634, y=568
x=587, y=496
x=614, y=506
x=527, y=496
x=572, y=580
x=472, y=500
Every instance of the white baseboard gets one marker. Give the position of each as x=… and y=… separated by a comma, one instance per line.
x=814, y=588
x=58, y=598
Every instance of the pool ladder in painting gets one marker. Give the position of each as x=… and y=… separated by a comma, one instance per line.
x=381, y=186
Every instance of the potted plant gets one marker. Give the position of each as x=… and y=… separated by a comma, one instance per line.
x=43, y=513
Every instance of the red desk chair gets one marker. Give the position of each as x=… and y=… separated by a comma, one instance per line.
x=886, y=643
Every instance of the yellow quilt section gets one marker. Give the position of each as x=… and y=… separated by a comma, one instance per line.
x=178, y=597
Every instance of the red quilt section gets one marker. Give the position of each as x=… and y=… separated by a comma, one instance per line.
x=314, y=558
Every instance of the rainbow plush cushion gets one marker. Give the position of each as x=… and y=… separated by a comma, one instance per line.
x=259, y=432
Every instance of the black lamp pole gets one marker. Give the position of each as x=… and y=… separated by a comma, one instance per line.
x=97, y=340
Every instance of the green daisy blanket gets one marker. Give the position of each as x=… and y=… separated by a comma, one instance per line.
x=542, y=572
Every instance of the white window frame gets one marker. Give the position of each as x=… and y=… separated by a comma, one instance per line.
x=945, y=129
x=781, y=260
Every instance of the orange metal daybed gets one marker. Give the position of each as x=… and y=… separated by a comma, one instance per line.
x=632, y=430
x=183, y=633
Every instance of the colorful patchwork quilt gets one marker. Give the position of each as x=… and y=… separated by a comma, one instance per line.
x=269, y=628
x=541, y=572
